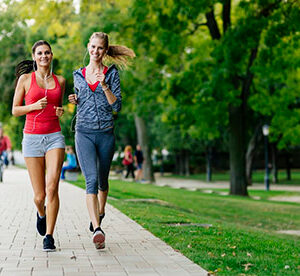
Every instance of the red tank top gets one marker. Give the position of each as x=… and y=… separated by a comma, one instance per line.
x=42, y=121
x=94, y=85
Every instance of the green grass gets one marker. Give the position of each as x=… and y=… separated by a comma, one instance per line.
x=257, y=177
x=243, y=232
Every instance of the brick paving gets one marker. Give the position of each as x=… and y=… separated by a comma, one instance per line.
x=130, y=249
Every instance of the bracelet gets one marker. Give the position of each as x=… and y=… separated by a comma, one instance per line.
x=106, y=88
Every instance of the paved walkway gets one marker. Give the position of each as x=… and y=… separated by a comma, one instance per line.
x=130, y=249
x=191, y=184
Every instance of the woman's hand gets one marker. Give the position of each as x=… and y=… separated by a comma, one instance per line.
x=72, y=98
x=40, y=104
x=59, y=111
x=100, y=77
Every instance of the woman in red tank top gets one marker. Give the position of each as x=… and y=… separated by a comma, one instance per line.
x=43, y=144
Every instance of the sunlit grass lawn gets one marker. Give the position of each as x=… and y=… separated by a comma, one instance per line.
x=257, y=177
x=242, y=238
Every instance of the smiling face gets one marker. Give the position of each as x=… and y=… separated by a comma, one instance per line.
x=96, y=48
x=42, y=55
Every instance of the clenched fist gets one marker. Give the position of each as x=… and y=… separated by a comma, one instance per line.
x=41, y=104
x=59, y=111
x=72, y=98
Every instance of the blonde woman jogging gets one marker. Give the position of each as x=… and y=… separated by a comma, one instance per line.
x=97, y=95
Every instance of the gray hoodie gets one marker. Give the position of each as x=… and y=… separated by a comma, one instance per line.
x=93, y=110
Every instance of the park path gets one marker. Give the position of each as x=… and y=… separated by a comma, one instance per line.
x=193, y=185
x=130, y=249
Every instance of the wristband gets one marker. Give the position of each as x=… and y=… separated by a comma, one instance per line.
x=105, y=88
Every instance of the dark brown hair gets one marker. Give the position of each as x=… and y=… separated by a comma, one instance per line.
x=27, y=66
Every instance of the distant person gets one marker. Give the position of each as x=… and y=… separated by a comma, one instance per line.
x=71, y=161
x=5, y=146
x=97, y=96
x=128, y=161
x=43, y=144
x=139, y=159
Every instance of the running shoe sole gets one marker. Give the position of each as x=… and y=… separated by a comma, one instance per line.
x=99, y=240
x=49, y=250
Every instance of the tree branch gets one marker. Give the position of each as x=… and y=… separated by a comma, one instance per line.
x=212, y=25
x=265, y=12
x=226, y=15
x=196, y=26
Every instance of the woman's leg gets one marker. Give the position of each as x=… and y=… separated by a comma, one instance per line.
x=36, y=170
x=54, y=160
x=93, y=209
x=105, y=150
x=132, y=170
x=87, y=157
x=128, y=171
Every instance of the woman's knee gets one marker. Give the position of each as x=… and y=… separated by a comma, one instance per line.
x=39, y=198
x=52, y=191
x=92, y=184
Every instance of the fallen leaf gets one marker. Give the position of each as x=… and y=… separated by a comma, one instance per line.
x=210, y=254
x=228, y=268
x=249, y=254
x=298, y=267
x=189, y=246
x=233, y=253
x=247, y=266
x=223, y=255
x=233, y=247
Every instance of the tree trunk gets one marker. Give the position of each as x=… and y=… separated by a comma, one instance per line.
x=143, y=140
x=187, y=163
x=252, y=147
x=208, y=164
x=177, y=163
x=274, y=163
x=288, y=166
x=238, y=183
x=181, y=162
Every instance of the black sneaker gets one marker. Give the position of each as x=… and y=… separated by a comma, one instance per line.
x=99, y=238
x=41, y=224
x=100, y=219
x=48, y=244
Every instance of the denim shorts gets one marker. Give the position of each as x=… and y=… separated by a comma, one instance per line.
x=36, y=145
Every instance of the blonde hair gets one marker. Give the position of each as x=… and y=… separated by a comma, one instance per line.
x=118, y=54
x=128, y=148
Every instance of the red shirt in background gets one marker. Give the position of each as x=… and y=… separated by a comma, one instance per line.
x=5, y=144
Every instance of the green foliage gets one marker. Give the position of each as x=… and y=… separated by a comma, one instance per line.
x=182, y=81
